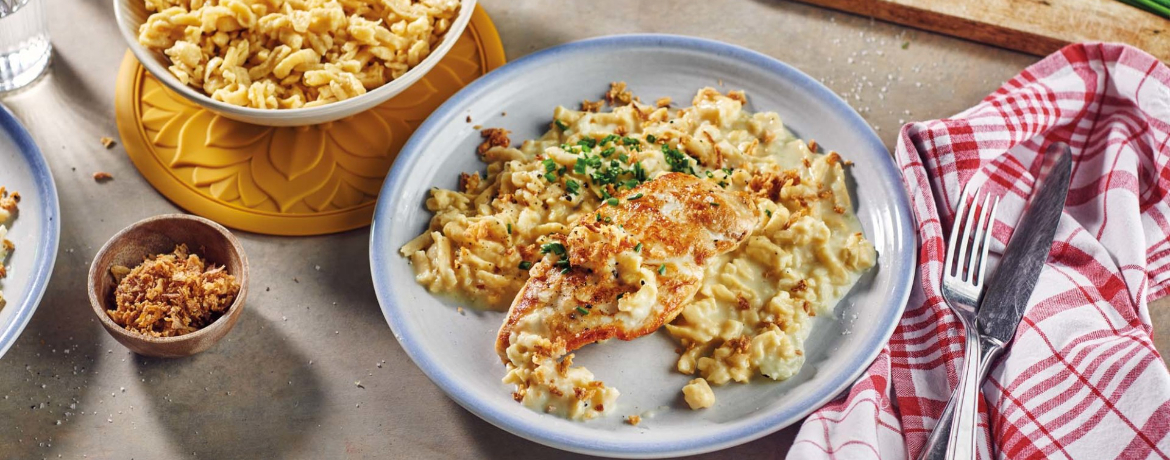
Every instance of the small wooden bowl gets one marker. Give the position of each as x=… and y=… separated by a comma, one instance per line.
x=160, y=235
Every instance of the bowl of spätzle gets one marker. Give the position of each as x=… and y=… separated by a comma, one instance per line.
x=290, y=63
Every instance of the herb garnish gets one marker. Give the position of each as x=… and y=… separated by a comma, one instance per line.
x=677, y=160
x=554, y=247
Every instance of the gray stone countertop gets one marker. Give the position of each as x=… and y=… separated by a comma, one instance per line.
x=283, y=384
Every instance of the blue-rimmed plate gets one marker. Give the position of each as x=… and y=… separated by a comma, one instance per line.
x=35, y=230
x=456, y=350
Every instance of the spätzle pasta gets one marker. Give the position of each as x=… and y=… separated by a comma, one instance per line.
x=285, y=54
x=756, y=304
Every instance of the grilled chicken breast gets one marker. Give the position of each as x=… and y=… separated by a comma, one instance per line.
x=630, y=267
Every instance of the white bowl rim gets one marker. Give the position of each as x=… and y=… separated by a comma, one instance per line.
x=331, y=110
x=380, y=256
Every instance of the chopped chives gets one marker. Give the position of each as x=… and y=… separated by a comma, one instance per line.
x=571, y=185
x=638, y=247
x=561, y=125
x=509, y=228
x=662, y=269
x=650, y=138
x=582, y=311
x=635, y=196
x=612, y=201
x=525, y=265
x=555, y=248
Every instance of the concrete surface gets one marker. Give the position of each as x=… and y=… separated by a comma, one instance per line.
x=283, y=384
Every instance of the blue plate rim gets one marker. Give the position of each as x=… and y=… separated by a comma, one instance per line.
x=47, y=246
x=639, y=449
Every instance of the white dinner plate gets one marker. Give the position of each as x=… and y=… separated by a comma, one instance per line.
x=456, y=350
x=35, y=229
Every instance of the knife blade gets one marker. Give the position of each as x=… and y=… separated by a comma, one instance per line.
x=1014, y=280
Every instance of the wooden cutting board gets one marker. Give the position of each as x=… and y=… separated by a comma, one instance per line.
x=1032, y=26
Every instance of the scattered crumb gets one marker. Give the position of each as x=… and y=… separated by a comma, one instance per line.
x=493, y=137
x=503, y=114
x=359, y=384
x=101, y=176
x=619, y=95
x=296, y=281
x=720, y=82
x=662, y=102
x=108, y=142
x=633, y=419
x=469, y=118
x=812, y=145
x=591, y=106
x=477, y=127
x=460, y=310
x=905, y=45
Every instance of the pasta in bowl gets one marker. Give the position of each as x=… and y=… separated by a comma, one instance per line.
x=290, y=62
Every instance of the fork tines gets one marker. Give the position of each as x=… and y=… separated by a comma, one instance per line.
x=970, y=267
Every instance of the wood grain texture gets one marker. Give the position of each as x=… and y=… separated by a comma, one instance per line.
x=1036, y=27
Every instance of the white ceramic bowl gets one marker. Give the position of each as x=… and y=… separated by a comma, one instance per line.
x=455, y=348
x=132, y=13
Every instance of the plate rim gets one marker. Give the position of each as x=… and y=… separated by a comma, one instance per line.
x=47, y=246
x=640, y=449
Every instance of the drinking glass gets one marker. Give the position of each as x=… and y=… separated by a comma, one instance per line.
x=24, y=42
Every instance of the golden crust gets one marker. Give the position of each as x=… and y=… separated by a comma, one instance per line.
x=678, y=219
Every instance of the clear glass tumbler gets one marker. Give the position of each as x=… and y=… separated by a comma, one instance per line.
x=24, y=42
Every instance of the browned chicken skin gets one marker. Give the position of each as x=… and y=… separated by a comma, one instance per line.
x=675, y=223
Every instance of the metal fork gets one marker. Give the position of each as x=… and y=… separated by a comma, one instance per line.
x=962, y=289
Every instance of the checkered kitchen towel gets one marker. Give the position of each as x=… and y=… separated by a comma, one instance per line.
x=1082, y=379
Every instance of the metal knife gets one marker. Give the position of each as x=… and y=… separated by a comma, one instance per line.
x=1006, y=296
x=1019, y=269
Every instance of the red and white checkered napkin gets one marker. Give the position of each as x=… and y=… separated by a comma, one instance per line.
x=1081, y=379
